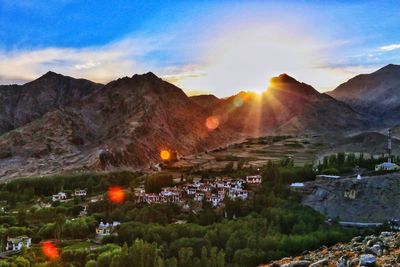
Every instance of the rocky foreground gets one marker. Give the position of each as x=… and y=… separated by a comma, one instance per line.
x=382, y=250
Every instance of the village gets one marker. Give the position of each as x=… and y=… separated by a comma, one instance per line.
x=189, y=196
x=211, y=191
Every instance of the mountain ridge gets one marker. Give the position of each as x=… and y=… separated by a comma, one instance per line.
x=133, y=118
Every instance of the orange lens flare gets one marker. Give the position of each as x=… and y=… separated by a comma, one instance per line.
x=165, y=155
x=116, y=194
x=212, y=123
x=50, y=250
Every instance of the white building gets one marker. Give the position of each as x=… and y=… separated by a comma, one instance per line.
x=17, y=243
x=105, y=229
x=80, y=193
x=152, y=198
x=61, y=196
x=297, y=185
x=327, y=177
x=254, y=179
x=236, y=193
x=387, y=166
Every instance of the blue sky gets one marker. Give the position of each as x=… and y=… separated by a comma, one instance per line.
x=218, y=47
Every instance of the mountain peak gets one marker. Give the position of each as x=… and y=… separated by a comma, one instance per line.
x=389, y=68
x=51, y=74
x=149, y=75
x=288, y=83
x=283, y=78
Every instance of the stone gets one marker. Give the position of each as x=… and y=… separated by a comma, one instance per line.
x=367, y=260
x=320, y=263
x=299, y=264
x=357, y=239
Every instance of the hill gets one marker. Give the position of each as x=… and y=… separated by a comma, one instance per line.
x=21, y=104
x=124, y=124
x=375, y=94
x=287, y=107
x=370, y=199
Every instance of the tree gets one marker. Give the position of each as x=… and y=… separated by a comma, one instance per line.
x=58, y=226
x=185, y=256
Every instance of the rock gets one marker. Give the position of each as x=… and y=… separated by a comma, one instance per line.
x=367, y=260
x=370, y=243
x=357, y=239
x=377, y=249
x=320, y=263
x=298, y=264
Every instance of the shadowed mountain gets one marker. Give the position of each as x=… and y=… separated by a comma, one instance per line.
x=208, y=102
x=288, y=107
x=126, y=124
x=375, y=94
x=21, y=104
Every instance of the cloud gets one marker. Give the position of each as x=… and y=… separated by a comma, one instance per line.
x=391, y=47
x=100, y=64
x=245, y=57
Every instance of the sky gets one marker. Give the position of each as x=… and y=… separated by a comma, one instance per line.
x=216, y=47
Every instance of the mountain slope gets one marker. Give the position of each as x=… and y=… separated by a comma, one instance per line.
x=124, y=124
x=21, y=104
x=375, y=94
x=288, y=106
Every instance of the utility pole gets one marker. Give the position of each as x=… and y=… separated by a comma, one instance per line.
x=390, y=146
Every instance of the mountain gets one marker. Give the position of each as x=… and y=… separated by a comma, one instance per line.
x=375, y=94
x=208, y=102
x=125, y=124
x=288, y=107
x=58, y=123
x=21, y=104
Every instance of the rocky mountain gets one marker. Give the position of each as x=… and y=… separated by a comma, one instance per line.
x=126, y=123
x=370, y=199
x=21, y=104
x=58, y=123
x=375, y=94
x=288, y=106
x=372, y=250
x=209, y=102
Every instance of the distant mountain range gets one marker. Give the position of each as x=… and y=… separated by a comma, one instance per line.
x=58, y=123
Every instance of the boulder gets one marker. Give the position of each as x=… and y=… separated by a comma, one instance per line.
x=367, y=260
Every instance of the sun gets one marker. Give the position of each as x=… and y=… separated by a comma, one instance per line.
x=259, y=92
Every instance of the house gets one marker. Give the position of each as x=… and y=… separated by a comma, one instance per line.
x=238, y=194
x=169, y=196
x=387, y=166
x=199, y=196
x=254, y=179
x=327, y=177
x=17, y=243
x=61, y=196
x=105, y=229
x=80, y=193
x=139, y=194
x=297, y=185
x=152, y=198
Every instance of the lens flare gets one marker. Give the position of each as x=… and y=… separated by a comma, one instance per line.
x=50, y=250
x=165, y=155
x=116, y=194
x=212, y=122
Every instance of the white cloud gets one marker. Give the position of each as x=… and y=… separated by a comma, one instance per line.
x=100, y=64
x=390, y=47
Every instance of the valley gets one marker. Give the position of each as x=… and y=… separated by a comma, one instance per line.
x=137, y=166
